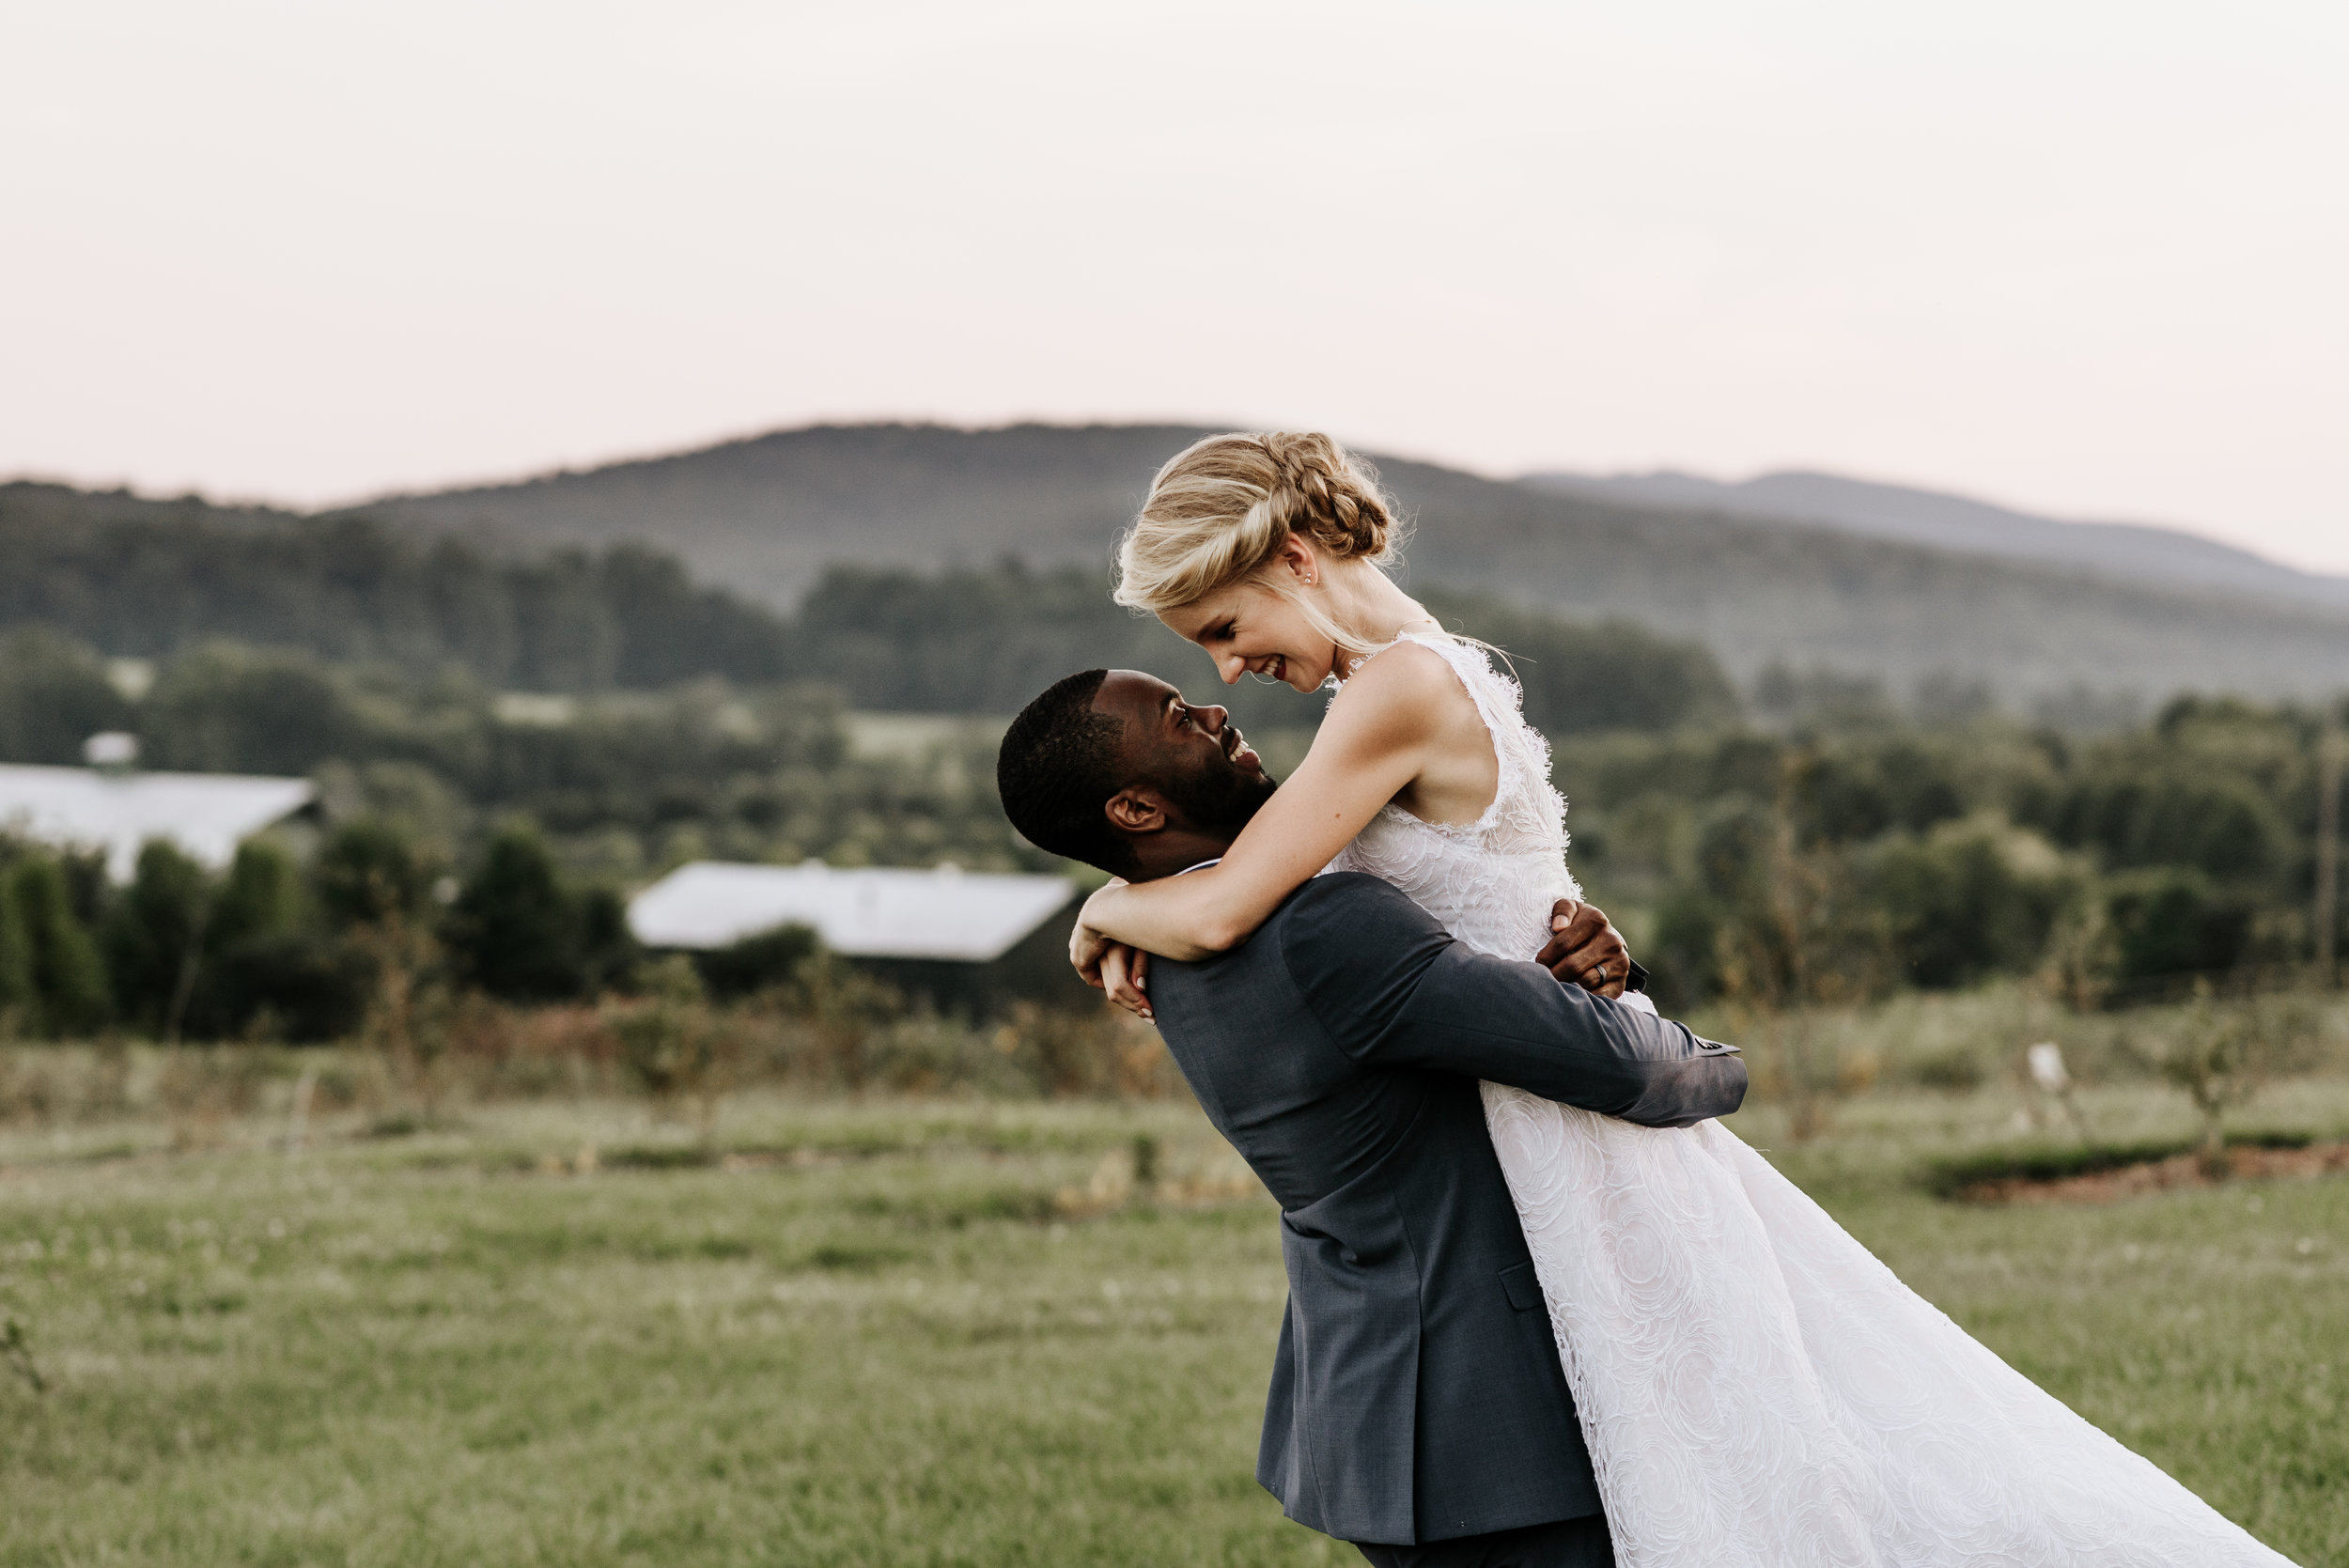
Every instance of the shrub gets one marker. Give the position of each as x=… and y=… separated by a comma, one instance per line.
x=153, y=933
x=2166, y=922
x=54, y=693
x=369, y=873
x=756, y=963
x=64, y=981
x=519, y=933
x=1970, y=899
x=673, y=1042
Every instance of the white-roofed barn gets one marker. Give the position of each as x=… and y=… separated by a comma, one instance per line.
x=968, y=940
x=114, y=811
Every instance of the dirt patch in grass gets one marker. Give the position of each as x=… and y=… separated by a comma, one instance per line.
x=2138, y=1178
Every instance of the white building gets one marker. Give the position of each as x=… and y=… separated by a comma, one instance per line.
x=205, y=814
x=947, y=914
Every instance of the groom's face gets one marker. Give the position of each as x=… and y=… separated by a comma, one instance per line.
x=1193, y=757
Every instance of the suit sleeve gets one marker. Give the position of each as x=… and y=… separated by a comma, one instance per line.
x=1392, y=987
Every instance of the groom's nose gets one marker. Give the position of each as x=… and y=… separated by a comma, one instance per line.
x=1212, y=719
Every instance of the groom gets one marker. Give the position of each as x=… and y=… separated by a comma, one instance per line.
x=1418, y=1407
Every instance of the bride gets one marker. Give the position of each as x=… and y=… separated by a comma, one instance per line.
x=1756, y=1390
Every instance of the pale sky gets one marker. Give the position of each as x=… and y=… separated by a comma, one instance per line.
x=2085, y=258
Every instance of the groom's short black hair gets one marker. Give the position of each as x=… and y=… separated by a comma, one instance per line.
x=1058, y=767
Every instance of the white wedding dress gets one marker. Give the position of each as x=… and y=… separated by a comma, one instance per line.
x=1757, y=1390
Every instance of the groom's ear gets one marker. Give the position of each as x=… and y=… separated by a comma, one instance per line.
x=1136, y=811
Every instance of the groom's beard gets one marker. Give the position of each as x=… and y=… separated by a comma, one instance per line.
x=1220, y=799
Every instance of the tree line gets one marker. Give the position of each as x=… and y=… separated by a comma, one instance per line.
x=153, y=579
x=1834, y=864
x=290, y=947
x=620, y=784
x=148, y=579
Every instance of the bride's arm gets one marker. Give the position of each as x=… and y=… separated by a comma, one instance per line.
x=1373, y=743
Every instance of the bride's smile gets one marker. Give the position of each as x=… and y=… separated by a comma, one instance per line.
x=1301, y=619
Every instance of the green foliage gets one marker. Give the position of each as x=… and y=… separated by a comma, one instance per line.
x=18, y=1002
x=1970, y=899
x=2221, y=827
x=519, y=932
x=54, y=695
x=227, y=709
x=302, y=986
x=673, y=1042
x=1949, y=1176
x=1580, y=676
x=153, y=578
x=740, y=774
x=2167, y=920
x=761, y=962
x=2121, y=866
x=369, y=873
x=847, y=1007
x=66, y=979
x=986, y=640
x=16, y=1349
x=153, y=934
x=261, y=896
x=269, y=966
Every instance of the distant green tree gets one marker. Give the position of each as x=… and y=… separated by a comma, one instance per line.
x=984, y=640
x=155, y=577
x=608, y=950
x=762, y=962
x=2169, y=921
x=1968, y=900
x=69, y=979
x=269, y=965
x=234, y=709
x=2176, y=812
x=153, y=935
x=520, y=932
x=54, y=695
x=262, y=896
x=1581, y=676
x=18, y=1002
x=369, y=872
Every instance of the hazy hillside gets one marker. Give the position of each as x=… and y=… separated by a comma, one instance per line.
x=765, y=515
x=768, y=513
x=108, y=573
x=152, y=578
x=2129, y=552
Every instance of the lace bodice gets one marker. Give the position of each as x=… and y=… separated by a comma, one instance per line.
x=1492, y=881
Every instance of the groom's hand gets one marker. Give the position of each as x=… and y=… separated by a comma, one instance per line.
x=1585, y=949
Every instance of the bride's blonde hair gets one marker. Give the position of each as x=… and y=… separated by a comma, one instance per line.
x=1222, y=508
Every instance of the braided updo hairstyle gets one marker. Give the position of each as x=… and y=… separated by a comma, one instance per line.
x=1222, y=508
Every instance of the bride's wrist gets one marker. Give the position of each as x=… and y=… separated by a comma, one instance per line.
x=1101, y=899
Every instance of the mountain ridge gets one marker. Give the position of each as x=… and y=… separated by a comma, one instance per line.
x=2127, y=551
x=764, y=514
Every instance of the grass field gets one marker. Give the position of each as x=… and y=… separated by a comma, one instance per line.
x=926, y=1334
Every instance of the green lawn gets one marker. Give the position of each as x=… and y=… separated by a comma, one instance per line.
x=902, y=1334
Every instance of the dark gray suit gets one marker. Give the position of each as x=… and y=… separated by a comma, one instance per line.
x=1417, y=1394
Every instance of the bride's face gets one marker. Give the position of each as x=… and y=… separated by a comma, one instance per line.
x=1248, y=628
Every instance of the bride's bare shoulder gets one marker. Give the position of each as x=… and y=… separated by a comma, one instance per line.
x=1409, y=687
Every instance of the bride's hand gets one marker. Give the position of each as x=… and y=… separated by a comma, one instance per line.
x=1087, y=946
x=1087, y=949
x=1111, y=966
x=1126, y=975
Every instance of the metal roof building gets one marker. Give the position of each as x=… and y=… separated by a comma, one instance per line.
x=947, y=914
x=206, y=815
